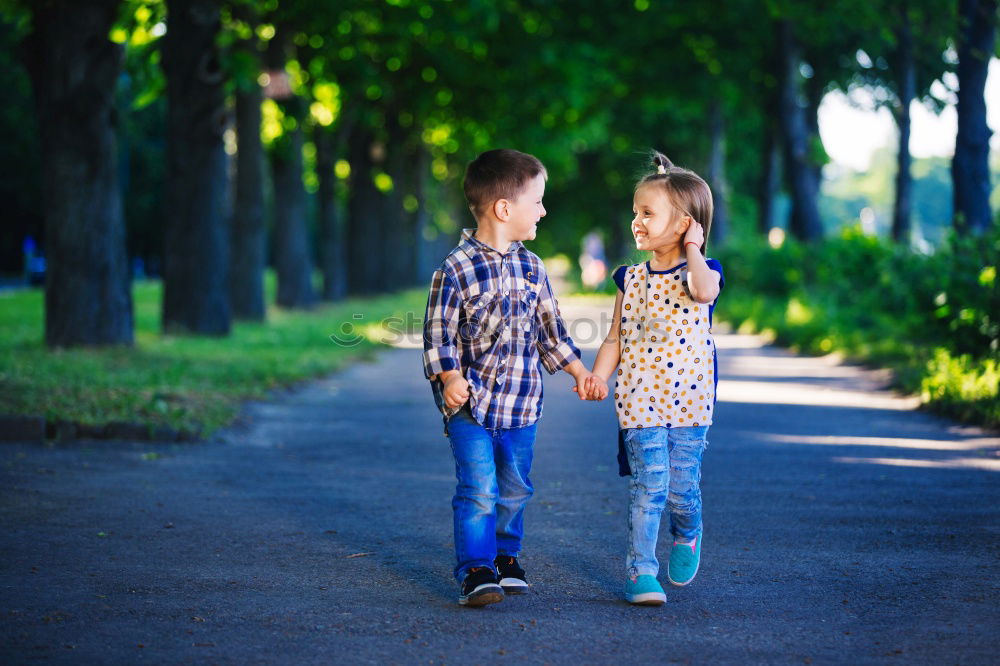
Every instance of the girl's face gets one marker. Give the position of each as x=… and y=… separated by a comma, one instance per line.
x=657, y=224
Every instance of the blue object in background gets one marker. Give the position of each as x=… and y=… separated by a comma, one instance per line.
x=34, y=263
x=35, y=271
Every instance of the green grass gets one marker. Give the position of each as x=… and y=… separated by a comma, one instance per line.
x=191, y=383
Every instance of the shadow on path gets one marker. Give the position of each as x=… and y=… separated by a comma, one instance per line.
x=841, y=526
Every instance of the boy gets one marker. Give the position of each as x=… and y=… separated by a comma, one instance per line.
x=491, y=319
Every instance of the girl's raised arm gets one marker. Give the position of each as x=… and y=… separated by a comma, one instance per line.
x=703, y=282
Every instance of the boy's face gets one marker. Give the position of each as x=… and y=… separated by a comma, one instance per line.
x=525, y=211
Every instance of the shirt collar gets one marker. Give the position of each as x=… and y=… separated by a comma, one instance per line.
x=470, y=244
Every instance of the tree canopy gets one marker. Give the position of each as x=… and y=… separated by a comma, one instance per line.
x=369, y=111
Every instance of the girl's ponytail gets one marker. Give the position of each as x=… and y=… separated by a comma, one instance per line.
x=661, y=162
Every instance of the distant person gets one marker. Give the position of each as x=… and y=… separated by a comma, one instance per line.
x=593, y=265
x=661, y=343
x=491, y=323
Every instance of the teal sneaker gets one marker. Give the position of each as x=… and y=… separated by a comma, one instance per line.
x=644, y=590
x=684, y=561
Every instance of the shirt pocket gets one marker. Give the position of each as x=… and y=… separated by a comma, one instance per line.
x=482, y=316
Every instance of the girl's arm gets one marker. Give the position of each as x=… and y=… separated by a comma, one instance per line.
x=610, y=352
x=703, y=282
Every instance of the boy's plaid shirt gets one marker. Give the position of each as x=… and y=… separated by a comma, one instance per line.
x=493, y=317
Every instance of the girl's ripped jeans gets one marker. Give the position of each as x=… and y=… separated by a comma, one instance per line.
x=666, y=472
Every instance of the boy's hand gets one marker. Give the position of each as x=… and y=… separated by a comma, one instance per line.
x=456, y=390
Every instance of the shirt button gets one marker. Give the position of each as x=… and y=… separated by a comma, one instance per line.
x=506, y=293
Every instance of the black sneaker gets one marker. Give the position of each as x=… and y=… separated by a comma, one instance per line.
x=480, y=588
x=512, y=578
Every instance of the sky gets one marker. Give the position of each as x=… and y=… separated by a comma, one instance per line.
x=850, y=134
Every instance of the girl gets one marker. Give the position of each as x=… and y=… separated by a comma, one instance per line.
x=661, y=343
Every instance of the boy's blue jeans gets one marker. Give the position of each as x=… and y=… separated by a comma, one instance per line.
x=492, y=469
x=666, y=471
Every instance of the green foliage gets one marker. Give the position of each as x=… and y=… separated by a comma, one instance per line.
x=963, y=386
x=935, y=319
x=20, y=188
x=588, y=89
x=140, y=25
x=185, y=382
x=932, y=26
x=846, y=192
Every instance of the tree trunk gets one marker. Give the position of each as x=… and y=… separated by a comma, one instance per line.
x=970, y=168
x=196, y=248
x=907, y=91
x=717, y=176
x=770, y=179
x=292, y=256
x=427, y=259
x=365, y=251
x=814, y=89
x=399, y=232
x=420, y=171
x=74, y=70
x=330, y=232
x=246, y=283
x=805, y=221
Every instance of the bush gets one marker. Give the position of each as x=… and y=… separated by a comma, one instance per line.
x=934, y=319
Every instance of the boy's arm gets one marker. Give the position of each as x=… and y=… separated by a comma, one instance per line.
x=441, y=328
x=555, y=346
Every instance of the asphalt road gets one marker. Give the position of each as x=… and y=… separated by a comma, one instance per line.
x=840, y=527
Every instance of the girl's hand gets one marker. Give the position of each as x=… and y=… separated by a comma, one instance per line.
x=588, y=387
x=695, y=234
x=597, y=388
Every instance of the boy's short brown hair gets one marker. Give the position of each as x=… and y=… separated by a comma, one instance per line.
x=498, y=174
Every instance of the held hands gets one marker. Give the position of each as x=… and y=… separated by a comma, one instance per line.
x=591, y=387
x=456, y=390
x=597, y=388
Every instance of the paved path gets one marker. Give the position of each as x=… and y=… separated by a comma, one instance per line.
x=841, y=527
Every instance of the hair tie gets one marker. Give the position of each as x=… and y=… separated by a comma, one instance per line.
x=660, y=169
